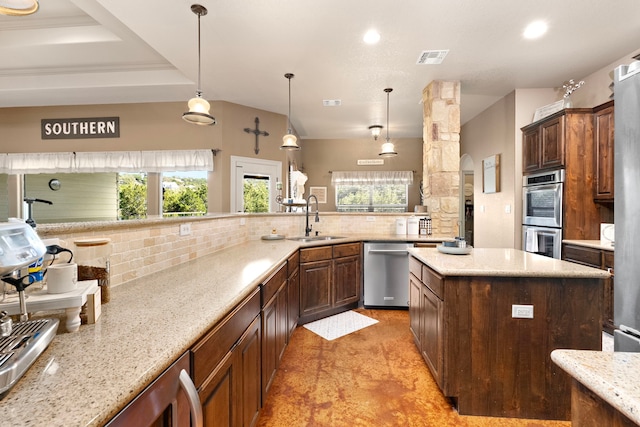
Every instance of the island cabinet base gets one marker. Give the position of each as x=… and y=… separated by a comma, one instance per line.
x=494, y=364
x=589, y=410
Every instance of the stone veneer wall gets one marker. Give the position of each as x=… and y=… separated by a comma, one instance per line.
x=441, y=154
x=140, y=248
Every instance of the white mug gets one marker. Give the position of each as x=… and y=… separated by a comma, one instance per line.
x=62, y=278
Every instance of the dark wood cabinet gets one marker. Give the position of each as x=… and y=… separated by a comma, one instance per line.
x=274, y=324
x=226, y=367
x=543, y=144
x=293, y=293
x=330, y=280
x=596, y=258
x=566, y=140
x=604, y=141
x=492, y=362
x=163, y=403
x=426, y=317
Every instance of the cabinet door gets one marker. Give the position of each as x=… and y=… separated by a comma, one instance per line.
x=415, y=295
x=163, y=403
x=432, y=333
x=247, y=355
x=270, y=351
x=531, y=150
x=293, y=302
x=603, y=129
x=552, y=143
x=607, y=318
x=315, y=287
x=346, y=280
x=218, y=395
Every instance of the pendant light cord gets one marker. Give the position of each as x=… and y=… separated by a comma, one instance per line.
x=388, y=90
x=289, y=116
x=199, y=91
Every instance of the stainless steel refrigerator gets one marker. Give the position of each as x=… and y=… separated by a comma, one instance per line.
x=626, y=90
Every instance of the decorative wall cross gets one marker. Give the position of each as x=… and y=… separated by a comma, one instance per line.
x=257, y=132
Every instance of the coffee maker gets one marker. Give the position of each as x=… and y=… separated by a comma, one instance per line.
x=21, y=343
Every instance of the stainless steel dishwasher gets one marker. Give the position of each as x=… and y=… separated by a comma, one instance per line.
x=386, y=274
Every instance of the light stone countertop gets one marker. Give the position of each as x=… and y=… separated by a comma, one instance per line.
x=87, y=377
x=503, y=262
x=595, y=244
x=612, y=376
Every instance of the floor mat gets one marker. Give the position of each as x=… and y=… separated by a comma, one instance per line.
x=340, y=325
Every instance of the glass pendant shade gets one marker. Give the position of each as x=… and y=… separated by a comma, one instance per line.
x=289, y=142
x=388, y=150
x=375, y=131
x=18, y=7
x=199, y=112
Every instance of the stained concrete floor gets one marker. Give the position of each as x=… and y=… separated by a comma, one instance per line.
x=372, y=377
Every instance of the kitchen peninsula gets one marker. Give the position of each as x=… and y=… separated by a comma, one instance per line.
x=486, y=324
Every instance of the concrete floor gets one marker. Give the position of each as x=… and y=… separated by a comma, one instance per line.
x=372, y=377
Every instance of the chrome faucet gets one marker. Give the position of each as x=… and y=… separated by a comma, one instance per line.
x=307, y=228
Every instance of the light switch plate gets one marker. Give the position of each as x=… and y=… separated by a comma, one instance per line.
x=522, y=311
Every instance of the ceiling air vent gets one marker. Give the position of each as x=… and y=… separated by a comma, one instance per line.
x=432, y=57
x=331, y=102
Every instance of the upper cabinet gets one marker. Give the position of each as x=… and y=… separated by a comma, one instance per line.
x=603, y=134
x=545, y=141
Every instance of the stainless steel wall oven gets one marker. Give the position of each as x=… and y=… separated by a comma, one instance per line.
x=542, y=213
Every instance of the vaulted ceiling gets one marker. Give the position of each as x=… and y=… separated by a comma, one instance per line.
x=123, y=51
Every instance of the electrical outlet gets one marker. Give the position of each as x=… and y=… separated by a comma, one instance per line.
x=371, y=218
x=185, y=229
x=522, y=311
x=242, y=221
x=507, y=209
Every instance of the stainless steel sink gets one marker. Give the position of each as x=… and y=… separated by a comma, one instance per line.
x=314, y=238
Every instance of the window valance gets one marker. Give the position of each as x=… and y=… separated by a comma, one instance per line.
x=107, y=161
x=371, y=177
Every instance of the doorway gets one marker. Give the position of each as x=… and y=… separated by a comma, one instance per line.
x=253, y=184
x=466, y=198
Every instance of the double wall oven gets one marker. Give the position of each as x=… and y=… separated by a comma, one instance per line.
x=542, y=213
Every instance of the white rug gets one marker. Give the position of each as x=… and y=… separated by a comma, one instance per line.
x=340, y=325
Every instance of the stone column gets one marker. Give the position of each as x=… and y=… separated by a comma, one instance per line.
x=441, y=155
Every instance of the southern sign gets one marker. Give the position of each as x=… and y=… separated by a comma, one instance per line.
x=93, y=127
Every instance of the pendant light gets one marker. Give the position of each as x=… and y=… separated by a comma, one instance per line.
x=198, y=106
x=388, y=150
x=18, y=7
x=375, y=131
x=289, y=140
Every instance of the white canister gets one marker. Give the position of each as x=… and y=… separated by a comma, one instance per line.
x=412, y=225
x=62, y=278
x=401, y=226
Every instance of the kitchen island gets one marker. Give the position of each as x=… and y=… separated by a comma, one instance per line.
x=487, y=322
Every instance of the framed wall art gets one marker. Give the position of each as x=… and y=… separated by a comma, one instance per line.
x=491, y=174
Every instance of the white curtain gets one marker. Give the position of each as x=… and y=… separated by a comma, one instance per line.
x=371, y=177
x=23, y=163
x=109, y=161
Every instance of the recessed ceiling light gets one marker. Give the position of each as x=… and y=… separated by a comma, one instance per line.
x=535, y=30
x=371, y=37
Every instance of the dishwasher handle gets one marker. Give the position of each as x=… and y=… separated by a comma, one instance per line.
x=389, y=251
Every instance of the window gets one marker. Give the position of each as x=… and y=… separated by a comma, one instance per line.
x=132, y=195
x=256, y=193
x=184, y=193
x=371, y=191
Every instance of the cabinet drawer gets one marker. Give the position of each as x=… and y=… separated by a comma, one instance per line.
x=292, y=263
x=582, y=255
x=210, y=350
x=433, y=281
x=415, y=267
x=315, y=254
x=273, y=283
x=347, y=249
